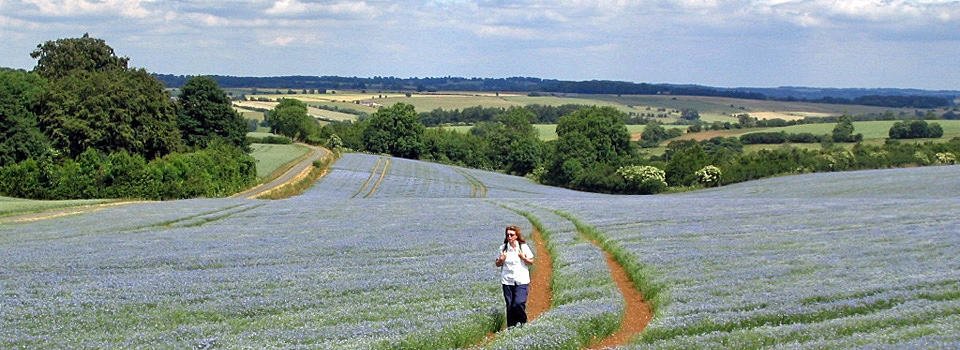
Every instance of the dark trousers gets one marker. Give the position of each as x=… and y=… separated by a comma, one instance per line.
x=516, y=298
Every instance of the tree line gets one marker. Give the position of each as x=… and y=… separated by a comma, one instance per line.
x=82, y=124
x=593, y=151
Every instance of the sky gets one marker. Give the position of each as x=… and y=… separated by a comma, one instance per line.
x=736, y=43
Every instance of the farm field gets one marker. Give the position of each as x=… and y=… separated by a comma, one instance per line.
x=312, y=111
x=710, y=108
x=12, y=206
x=870, y=130
x=271, y=157
x=394, y=253
x=549, y=131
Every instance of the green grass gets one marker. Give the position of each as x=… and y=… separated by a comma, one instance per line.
x=548, y=132
x=13, y=206
x=260, y=133
x=870, y=130
x=271, y=157
x=249, y=114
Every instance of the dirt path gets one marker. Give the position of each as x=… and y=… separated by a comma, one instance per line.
x=637, y=313
x=288, y=177
x=540, y=297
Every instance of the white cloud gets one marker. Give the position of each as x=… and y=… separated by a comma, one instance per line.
x=69, y=8
x=349, y=9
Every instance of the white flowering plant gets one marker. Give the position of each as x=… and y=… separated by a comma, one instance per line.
x=709, y=175
x=644, y=178
x=946, y=158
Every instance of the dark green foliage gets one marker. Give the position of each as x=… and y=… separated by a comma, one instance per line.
x=59, y=58
x=652, y=134
x=780, y=137
x=511, y=142
x=219, y=170
x=396, y=131
x=689, y=114
x=451, y=147
x=350, y=133
x=206, y=113
x=289, y=118
x=685, y=160
x=113, y=110
x=277, y=140
x=20, y=139
x=916, y=129
x=586, y=137
x=843, y=132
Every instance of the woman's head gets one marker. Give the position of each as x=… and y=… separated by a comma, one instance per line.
x=513, y=232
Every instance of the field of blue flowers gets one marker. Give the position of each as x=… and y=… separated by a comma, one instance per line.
x=393, y=253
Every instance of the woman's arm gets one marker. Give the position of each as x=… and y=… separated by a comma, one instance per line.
x=523, y=257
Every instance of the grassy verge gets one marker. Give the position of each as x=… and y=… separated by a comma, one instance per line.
x=15, y=206
x=274, y=160
x=314, y=172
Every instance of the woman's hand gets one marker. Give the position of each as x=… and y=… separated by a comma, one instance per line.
x=524, y=257
x=499, y=261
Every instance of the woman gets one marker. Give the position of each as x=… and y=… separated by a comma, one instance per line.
x=514, y=257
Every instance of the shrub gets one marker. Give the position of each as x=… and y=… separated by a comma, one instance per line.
x=946, y=158
x=644, y=178
x=709, y=175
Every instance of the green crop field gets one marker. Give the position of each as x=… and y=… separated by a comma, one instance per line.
x=870, y=130
x=12, y=206
x=271, y=157
x=548, y=132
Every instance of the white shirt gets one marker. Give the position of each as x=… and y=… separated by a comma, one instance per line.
x=514, y=270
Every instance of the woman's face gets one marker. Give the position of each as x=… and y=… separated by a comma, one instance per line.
x=511, y=236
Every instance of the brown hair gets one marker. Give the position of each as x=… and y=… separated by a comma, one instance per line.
x=516, y=229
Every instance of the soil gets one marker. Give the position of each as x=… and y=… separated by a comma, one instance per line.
x=637, y=313
x=54, y=213
x=540, y=297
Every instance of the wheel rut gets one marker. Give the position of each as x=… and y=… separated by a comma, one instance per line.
x=637, y=312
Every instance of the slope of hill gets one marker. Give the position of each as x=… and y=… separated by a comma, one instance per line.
x=392, y=253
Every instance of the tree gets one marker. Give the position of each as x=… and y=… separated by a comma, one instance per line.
x=395, y=130
x=843, y=132
x=585, y=137
x=290, y=118
x=690, y=114
x=512, y=143
x=56, y=59
x=20, y=138
x=206, y=112
x=110, y=111
x=652, y=134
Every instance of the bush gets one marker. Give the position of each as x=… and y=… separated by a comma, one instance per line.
x=277, y=140
x=709, y=176
x=644, y=179
x=946, y=158
x=219, y=170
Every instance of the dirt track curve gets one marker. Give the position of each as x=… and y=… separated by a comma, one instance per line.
x=287, y=177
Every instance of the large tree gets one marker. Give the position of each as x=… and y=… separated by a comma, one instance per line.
x=20, y=138
x=57, y=58
x=290, y=118
x=395, y=130
x=512, y=143
x=110, y=111
x=587, y=137
x=206, y=113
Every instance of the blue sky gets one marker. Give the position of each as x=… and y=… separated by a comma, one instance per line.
x=823, y=43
